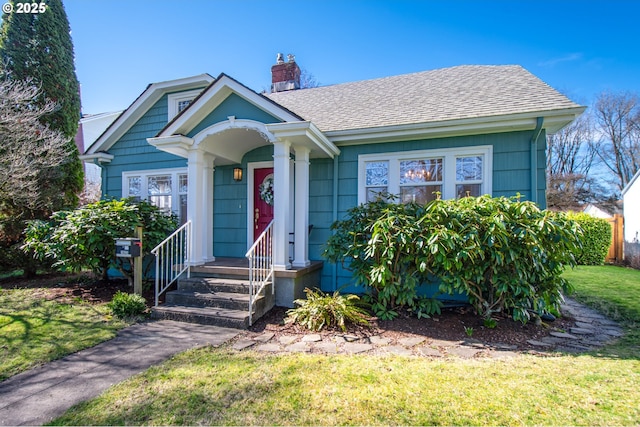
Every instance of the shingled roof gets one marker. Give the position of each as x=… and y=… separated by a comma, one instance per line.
x=463, y=92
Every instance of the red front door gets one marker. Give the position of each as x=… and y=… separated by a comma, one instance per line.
x=262, y=200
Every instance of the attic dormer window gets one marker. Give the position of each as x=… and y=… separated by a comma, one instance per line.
x=179, y=101
x=183, y=104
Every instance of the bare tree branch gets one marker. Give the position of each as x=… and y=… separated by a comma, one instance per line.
x=618, y=119
x=570, y=158
x=31, y=154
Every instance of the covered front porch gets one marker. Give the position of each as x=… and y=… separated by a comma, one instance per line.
x=230, y=127
x=290, y=147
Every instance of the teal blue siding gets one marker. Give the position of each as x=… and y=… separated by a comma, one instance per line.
x=230, y=205
x=132, y=152
x=230, y=213
x=511, y=175
x=233, y=105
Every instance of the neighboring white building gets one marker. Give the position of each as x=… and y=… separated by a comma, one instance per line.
x=90, y=127
x=595, y=211
x=631, y=208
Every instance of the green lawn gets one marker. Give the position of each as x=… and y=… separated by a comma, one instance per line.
x=35, y=330
x=614, y=291
x=223, y=387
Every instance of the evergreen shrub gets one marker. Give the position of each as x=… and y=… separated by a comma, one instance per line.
x=85, y=237
x=596, y=238
x=507, y=256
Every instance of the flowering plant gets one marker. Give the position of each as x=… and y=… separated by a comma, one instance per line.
x=266, y=190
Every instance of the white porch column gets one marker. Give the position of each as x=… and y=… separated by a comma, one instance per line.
x=200, y=205
x=301, y=240
x=281, y=191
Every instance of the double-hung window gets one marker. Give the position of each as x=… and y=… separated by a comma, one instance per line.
x=422, y=176
x=166, y=189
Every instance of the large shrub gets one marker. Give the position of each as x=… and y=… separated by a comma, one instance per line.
x=504, y=254
x=596, y=238
x=85, y=237
x=376, y=241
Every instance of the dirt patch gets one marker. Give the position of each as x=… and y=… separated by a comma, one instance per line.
x=70, y=287
x=449, y=326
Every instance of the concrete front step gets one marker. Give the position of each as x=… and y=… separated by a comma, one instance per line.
x=233, y=301
x=210, y=284
x=218, y=271
x=216, y=316
x=215, y=295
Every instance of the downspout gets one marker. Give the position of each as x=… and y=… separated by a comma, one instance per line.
x=103, y=179
x=335, y=211
x=534, y=159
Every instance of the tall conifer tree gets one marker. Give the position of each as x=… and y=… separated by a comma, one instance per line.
x=38, y=46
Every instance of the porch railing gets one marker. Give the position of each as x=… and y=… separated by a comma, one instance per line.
x=260, y=257
x=172, y=256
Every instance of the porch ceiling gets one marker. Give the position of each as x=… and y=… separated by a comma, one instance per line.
x=229, y=146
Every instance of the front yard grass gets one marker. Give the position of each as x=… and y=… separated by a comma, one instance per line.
x=223, y=387
x=35, y=329
x=614, y=292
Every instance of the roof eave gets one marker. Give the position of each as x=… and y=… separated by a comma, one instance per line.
x=306, y=134
x=99, y=157
x=141, y=105
x=212, y=96
x=554, y=121
x=630, y=183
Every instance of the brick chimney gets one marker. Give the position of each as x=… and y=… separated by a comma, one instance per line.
x=285, y=75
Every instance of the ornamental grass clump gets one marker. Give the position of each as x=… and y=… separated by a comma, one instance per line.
x=320, y=310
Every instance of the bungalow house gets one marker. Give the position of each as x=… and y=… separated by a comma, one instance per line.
x=232, y=162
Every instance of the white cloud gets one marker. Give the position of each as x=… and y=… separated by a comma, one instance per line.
x=567, y=58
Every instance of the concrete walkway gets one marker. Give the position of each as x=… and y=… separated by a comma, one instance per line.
x=42, y=394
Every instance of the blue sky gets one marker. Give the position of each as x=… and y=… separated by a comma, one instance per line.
x=579, y=47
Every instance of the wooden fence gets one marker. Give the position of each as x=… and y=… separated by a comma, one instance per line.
x=616, y=249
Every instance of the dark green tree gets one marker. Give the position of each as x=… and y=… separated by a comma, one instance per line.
x=38, y=47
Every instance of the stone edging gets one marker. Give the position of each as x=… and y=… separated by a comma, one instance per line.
x=590, y=331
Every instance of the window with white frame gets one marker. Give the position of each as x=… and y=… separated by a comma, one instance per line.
x=422, y=176
x=166, y=189
x=179, y=101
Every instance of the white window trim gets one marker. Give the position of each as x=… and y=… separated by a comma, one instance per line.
x=175, y=98
x=144, y=182
x=448, y=155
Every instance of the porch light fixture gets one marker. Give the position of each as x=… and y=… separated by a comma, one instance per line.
x=237, y=174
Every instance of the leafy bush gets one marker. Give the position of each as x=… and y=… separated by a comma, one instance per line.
x=321, y=310
x=504, y=254
x=84, y=238
x=125, y=305
x=376, y=242
x=596, y=238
